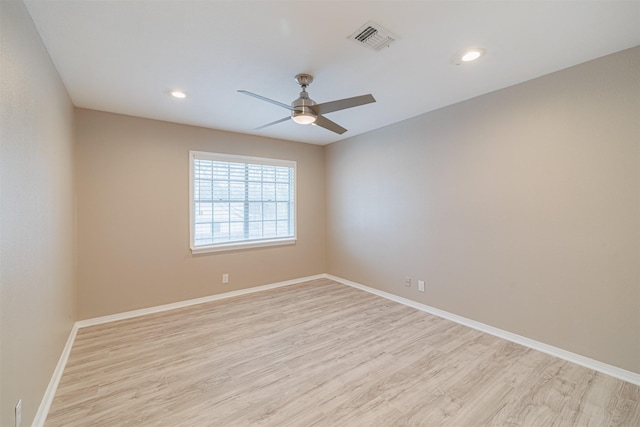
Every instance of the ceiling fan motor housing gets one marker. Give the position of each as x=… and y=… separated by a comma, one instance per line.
x=302, y=112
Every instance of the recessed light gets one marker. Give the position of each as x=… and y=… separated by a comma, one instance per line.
x=472, y=54
x=178, y=94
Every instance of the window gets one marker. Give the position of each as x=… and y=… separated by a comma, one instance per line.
x=240, y=202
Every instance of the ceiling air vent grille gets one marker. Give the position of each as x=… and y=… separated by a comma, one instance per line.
x=373, y=36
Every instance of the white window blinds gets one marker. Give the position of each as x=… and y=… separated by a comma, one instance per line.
x=239, y=201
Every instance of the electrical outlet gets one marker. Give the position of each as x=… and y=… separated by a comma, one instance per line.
x=407, y=282
x=421, y=285
x=225, y=278
x=19, y=413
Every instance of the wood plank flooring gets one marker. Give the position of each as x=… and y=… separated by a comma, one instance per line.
x=322, y=354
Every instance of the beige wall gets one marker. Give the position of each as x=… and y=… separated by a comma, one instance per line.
x=36, y=215
x=520, y=209
x=133, y=215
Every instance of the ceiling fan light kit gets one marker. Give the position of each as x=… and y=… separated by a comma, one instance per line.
x=305, y=111
x=303, y=118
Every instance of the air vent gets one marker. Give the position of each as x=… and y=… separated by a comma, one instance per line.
x=373, y=36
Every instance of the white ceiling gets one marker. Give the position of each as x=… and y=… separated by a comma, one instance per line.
x=124, y=56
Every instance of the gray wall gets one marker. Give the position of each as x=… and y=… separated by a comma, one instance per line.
x=520, y=209
x=36, y=215
x=133, y=215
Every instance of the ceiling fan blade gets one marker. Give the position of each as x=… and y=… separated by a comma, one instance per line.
x=246, y=92
x=342, y=104
x=329, y=125
x=273, y=123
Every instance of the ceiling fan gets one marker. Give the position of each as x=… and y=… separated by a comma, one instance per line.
x=305, y=111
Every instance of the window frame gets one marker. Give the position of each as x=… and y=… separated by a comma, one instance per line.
x=242, y=244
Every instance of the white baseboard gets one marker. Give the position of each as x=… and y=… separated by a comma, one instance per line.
x=614, y=371
x=47, y=399
x=186, y=303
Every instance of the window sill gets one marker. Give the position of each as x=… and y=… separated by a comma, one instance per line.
x=242, y=245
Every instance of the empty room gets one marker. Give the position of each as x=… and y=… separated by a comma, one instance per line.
x=319, y=213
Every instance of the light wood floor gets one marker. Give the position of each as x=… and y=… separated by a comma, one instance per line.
x=322, y=354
